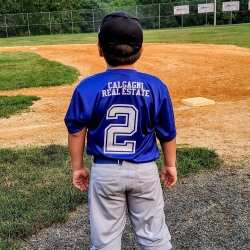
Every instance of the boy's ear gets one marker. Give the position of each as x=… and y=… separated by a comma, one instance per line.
x=100, y=51
x=142, y=48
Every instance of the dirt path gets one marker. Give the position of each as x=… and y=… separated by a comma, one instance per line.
x=216, y=72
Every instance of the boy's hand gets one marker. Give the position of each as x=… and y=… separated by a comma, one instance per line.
x=169, y=176
x=81, y=179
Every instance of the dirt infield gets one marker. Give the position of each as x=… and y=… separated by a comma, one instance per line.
x=221, y=73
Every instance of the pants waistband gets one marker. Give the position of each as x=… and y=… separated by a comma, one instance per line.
x=100, y=160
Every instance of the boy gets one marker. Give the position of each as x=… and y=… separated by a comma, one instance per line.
x=123, y=111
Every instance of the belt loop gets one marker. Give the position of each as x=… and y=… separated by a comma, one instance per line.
x=120, y=162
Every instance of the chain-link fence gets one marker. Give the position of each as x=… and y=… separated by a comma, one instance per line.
x=154, y=16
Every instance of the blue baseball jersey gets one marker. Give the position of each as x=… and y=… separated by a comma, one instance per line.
x=124, y=111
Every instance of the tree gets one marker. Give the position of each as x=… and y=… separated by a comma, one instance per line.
x=117, y=3
x=144, y=2
x=9, y=7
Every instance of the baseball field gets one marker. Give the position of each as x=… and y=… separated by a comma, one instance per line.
x=217, y=72
x=210, y=62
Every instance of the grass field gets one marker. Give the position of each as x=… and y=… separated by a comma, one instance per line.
x=229, y=34
x=15, y=104
x=30, y=191
x=24, y=70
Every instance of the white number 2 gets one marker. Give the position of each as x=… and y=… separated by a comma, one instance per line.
x=128, y=128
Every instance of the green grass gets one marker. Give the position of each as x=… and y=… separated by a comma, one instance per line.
x=86, y=38
x=25, y=70
x=10, y=105
x=36, y=189
x=229, y=34
x=193, y=160
x=9, y=245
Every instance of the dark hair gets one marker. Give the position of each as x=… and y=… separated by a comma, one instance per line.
x=120, y=55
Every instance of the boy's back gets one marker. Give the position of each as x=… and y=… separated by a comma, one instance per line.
x=122, y=112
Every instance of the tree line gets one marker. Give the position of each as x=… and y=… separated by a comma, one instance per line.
x=29, y=6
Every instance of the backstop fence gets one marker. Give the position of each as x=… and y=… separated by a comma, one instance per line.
x=153, y=16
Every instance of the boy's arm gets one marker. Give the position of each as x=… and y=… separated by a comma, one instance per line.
x=169, y=172
x=76, y=144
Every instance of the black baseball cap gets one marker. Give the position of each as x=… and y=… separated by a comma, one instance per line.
x=120, y=28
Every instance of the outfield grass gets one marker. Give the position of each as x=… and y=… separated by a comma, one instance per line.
x=229, y=34
x=25, y=70
x=36, y=189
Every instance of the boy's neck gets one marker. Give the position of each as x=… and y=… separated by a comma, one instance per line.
x=128, y=66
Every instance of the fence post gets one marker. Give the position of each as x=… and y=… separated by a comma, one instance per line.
x=206, y=15
x=6, y=27
x=28, y=23
x=182, y=17
x=93, y=15
x=231, y=16
x=50, y=25
x=159, y=15
x=72, y=24
x=214, y=12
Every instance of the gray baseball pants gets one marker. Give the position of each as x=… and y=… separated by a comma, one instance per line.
x=114, y=189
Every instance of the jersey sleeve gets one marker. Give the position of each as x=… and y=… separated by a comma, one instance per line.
x=77, y=116
x=165, y=129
